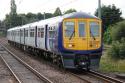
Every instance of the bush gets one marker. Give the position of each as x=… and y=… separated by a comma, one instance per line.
x=113, y=52
x=117, y=51
x=122, y=49
x=107, y=36
x=118, y=31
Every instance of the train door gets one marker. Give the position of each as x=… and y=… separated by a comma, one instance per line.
x=51, y=37
x=32, y=36
x=24, y=36
x=41, y=37
x=20, y=36
x=46, y=37
x=36, y=36
x=82, y=40
x=13, y=35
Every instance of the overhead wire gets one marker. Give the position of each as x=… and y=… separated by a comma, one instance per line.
x=62, y=5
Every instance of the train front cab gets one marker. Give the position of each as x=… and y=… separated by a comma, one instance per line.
x=82, y=39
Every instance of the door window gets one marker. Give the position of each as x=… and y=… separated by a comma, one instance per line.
x=81, y=27
x=31, y=32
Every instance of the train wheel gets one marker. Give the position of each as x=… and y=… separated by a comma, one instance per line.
x=87, y=68
x=54, y=58
x=59, y=62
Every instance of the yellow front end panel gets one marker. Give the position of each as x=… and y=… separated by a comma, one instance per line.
x=75, y=42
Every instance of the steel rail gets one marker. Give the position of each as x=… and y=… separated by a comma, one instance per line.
x=104, y=77
x=16, y=77
x=79, y=77
x=100, y=76
x=42, y=77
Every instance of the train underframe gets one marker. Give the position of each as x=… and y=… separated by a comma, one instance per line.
x=68, y=61
x=79, y=61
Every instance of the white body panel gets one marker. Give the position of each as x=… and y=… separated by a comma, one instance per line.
x=30, y=41
x=18, y=37
x=41, y=41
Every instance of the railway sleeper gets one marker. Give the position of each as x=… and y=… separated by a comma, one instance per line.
x=56, y=59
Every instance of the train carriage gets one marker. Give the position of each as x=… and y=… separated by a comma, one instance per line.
x=73, y=40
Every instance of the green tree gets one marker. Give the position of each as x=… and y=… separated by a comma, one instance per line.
x=107, y=36
x=22, y=19
x=31, y=17
x=117, y=50
x=11, y=20
x=70, y=11
x=48, y=15
x=110, y=15
x=118, y=31
x=39, y=16
x=57, y=12
x=13, y=8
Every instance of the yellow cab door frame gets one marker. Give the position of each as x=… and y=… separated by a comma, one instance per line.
x=94, y=42
x=82, y=40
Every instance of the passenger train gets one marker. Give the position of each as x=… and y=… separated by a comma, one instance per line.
x=73, y=40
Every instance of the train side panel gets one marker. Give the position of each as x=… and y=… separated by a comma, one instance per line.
x=52, y=31
x=41, y=37
x=22, y=36
x=31, y=38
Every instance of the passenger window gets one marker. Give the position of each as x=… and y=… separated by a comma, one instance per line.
x=26, y=33
x=31, y=32
x=21, y=33
x=69, y=29
x=51, y=32
x=11, y=33
x=15, y=33
x=94, y=29
x=18, y=33
x=38, y=32
x=41, y=32
x=81, y=26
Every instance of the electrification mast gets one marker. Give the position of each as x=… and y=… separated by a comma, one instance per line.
x=99, y=9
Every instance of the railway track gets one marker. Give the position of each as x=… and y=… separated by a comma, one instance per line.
x=82, y=80
x=104, y=77
x=22, y=72
x=95, y=77
x=81, y=77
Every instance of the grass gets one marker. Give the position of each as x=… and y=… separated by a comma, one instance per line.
x=2, y=34
x=109, y=65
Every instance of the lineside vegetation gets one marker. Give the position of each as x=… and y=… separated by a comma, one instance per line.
x=117, y=50
x=113, y=59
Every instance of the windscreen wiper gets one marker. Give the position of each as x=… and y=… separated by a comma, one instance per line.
x=92, y=35
x=71, y=35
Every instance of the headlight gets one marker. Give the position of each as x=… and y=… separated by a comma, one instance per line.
x=70, y=45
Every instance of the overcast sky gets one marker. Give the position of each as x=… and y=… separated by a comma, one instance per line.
x=35, y=6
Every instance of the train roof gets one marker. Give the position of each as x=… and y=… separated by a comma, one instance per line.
x=80, y=15
x=18, y=27
x=56, y=19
